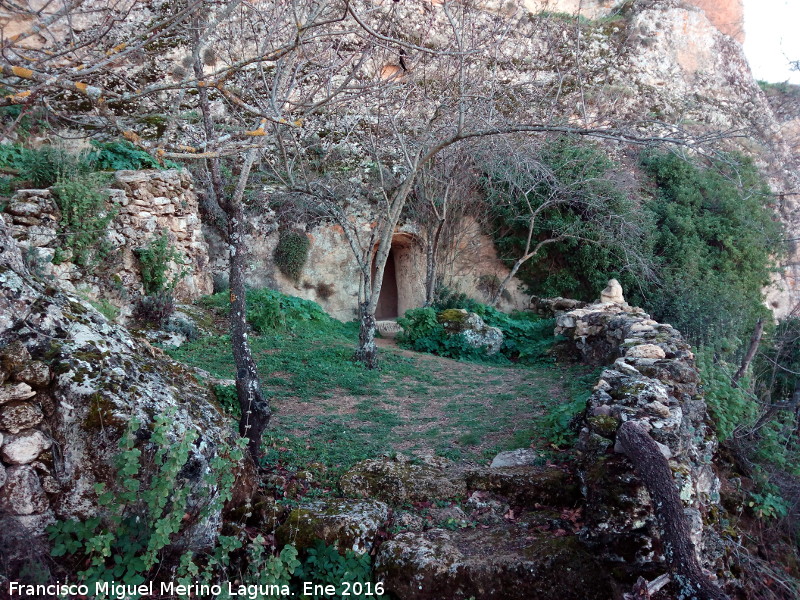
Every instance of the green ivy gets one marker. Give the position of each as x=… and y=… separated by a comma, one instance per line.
x=324, y=565
x=155, y=259
x=140, y=516
x=291, y=253
x=85, y=216
x=605, y=222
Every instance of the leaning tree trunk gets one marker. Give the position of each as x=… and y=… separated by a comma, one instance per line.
x=255, y=409
x=653, y=469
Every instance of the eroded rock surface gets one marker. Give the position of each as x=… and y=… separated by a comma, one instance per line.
x=347, y=524
x=70, y=383
x=507, y=562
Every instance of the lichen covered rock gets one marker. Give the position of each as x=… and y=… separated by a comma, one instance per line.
x=398, y=481
x=505, y=562
x=472, y=328
x=74, y=381
x=346, y=524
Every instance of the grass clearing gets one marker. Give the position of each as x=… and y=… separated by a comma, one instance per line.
x=330, y=412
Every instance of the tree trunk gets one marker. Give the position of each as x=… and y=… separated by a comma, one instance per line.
x=430, y=260
x=255, y=409
x=755, y=340
x=367, y=351
x=653, y=469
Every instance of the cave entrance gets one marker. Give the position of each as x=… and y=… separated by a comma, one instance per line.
x=388, y=301
x=400, y=290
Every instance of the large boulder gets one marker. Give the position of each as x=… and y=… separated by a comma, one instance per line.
x=472, y=328
x=71, y=382
x=510, y=561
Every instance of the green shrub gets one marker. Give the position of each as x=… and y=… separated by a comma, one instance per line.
x=155, y=259
x=714, y=241
x=349, y=574
x=228, y=398
x=768, y=503
x=104, y=307
x=115, y=156
x=269, y=310
x=525, y=336
x=45, y=166
x=291, y=253
x=730, y=407
x=606, y=228
x=85, y=216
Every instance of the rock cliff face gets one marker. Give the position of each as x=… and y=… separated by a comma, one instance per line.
x=725, y=15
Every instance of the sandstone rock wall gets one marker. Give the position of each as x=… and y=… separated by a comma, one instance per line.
x=652, y=378
x=146, y=203
x=330, y=276
x=726, y=15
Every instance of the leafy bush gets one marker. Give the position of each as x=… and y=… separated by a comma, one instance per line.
x=291, y=253
x=269, y=310
x=730, y=407
x=155, y=259
x=184, y=327
x=445, y=298
x=228, y=398
x=349, y=573
x=768, y=503
x=45, y=166
x=85, y=216
x=525, y=336
x=715, y=238
x=115, y=156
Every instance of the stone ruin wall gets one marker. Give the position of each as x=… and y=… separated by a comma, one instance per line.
x=147, y=203
x=651, y=376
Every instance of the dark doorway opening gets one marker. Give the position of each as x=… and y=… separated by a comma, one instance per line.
x=388, y=300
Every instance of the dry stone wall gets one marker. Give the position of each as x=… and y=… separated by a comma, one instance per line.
x=653, y=379
x=146, y=203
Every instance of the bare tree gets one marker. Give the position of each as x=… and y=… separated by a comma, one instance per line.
x=445, y=195
x=544, y=193
x=251, y=70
